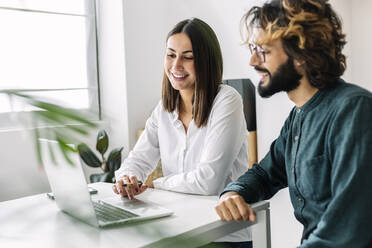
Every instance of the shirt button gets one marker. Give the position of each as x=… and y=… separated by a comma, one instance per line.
x=298, y=110
x=300, y=199
x=296, y=138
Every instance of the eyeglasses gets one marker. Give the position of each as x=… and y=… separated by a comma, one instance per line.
x=261, y=53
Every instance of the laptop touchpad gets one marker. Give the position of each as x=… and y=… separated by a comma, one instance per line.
x=136, y=206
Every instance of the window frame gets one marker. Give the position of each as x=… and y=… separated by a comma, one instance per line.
x=11, y=120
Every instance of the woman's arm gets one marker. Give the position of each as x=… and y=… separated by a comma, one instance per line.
x=145, y=155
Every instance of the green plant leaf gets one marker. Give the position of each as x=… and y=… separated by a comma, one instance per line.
x=58, y=110
x=54, y=118
x=38, y=147
x=51, y=153
x=54, y=114
x=103, y=177
x=102, y=142
x=88, y=156
x=114, y=159
x=66, y=150
x=62, y=142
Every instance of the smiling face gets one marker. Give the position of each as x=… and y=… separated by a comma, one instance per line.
x=276, y=69
x=179, y=62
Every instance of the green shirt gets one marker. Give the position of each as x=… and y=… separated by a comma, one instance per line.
x=324, y=156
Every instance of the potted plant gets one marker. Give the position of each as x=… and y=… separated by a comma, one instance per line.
x=108, y=166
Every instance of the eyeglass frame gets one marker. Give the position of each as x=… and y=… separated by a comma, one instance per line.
x=253, y=48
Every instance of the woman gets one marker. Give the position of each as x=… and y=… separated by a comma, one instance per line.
x=198, y=129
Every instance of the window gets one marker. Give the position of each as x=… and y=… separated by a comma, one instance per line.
x=48, y=47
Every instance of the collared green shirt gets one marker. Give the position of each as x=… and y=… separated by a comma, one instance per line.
x=324, y=156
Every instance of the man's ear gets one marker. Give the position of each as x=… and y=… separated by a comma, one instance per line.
x=299, y=63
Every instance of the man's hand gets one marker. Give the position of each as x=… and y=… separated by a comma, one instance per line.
x=232, y=206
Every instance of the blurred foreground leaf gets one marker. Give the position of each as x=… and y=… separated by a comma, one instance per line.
x=50, y=114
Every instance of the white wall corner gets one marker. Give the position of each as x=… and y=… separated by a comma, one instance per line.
x=112, y=72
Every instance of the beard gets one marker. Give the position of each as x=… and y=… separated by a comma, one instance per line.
x=286, y=78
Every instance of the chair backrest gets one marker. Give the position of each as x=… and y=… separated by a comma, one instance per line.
x=248, y=92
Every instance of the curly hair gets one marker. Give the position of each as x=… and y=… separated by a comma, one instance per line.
x=310, y=31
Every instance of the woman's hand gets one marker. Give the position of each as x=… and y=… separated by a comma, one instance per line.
x=129, y=187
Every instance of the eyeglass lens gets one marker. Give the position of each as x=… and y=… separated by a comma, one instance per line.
x=259, y=50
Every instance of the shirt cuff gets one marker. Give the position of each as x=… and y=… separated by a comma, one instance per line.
x=158, y=183
x=120, y=173
x=233, y=187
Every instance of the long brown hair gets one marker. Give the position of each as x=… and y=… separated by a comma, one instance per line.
x=310, y=31
x=208, y=70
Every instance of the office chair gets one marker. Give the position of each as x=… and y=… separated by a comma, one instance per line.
x=248, y=92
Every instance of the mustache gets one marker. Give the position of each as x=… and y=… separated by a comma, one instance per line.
x=261, y=69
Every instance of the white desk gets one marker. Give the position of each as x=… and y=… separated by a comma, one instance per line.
x=36, y=221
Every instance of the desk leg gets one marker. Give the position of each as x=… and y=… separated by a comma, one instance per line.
x=261, y=235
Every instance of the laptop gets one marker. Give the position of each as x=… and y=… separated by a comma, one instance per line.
x=72, y=196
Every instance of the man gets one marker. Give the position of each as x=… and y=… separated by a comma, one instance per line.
x=324, y=151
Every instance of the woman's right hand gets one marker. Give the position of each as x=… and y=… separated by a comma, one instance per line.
x=128, y=187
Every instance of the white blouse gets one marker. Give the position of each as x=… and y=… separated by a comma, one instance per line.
x=200, y=161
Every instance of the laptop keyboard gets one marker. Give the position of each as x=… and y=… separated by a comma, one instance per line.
x=107, y=213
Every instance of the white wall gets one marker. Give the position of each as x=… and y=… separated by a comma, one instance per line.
x=361, y=53
x=343, y=9
x=112, y=71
